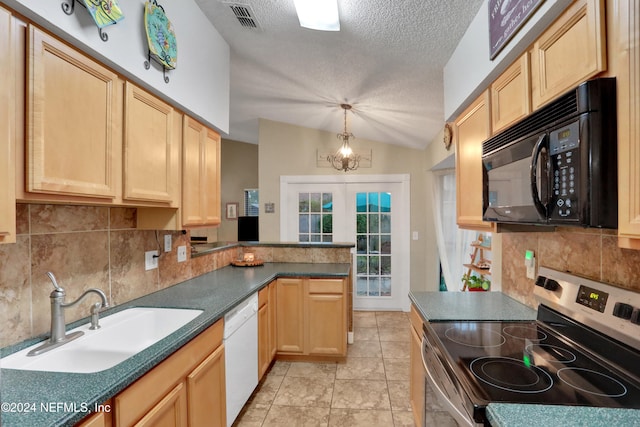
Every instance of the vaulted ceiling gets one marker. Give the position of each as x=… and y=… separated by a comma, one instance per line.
x=387, y=61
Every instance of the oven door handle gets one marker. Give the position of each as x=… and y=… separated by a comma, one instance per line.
x=461, y=418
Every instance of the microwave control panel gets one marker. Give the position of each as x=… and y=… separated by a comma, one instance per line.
x=564, y=156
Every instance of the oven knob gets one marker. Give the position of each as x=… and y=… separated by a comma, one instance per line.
x=540, y=281
x=622, y=310
x=551, y=285
x=635, y=316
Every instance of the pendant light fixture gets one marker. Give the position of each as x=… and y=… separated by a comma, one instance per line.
x=345, y=159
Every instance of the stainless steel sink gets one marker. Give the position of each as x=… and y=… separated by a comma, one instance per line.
x=121, y=336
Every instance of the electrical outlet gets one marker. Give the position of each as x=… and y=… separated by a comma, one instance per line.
x=151, y=260
x=167, y=242
x=182, y=253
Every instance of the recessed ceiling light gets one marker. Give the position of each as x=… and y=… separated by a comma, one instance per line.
x=318, y=14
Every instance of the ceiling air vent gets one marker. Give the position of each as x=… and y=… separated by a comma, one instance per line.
x=245, y=15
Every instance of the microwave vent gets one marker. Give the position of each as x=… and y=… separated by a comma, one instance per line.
x=561, y=109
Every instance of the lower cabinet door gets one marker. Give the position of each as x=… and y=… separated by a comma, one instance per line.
x=264, y=350
x=326, y=324
x=171, y=411
x=206, y=392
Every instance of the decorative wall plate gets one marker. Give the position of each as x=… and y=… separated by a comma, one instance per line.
x=160, y=35
x=104, y=12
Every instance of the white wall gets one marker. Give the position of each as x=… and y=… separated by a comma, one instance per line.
x=472, y=53
x=200, y=83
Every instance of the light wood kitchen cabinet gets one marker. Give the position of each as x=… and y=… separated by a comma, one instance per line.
x=570, y=51
x=273, y=321
x=201, y=175
x=290, y=315
x=311, y=317
x=472, y=128
x=326, y=317
x=186, y=388
x=264, y=349
x=7, y=130
x=97, y=419
x=511, y=95
x=417, y=388
x=628, y=80
x=151, y=149
x=73, y=114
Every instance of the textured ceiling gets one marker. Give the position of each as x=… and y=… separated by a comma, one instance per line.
x=386, y=60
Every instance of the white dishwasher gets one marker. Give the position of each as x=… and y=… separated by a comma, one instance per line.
x=241, y=355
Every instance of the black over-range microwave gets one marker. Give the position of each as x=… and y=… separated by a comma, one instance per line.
x=557, y=166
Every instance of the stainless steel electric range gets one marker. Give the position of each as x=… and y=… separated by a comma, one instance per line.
x=583, y=350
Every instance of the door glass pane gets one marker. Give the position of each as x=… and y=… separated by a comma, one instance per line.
x=315, y=217
x=373, y=244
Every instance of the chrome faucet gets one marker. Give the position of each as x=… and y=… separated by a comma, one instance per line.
x=58, y=332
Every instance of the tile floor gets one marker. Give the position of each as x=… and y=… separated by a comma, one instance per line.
x=370, y=389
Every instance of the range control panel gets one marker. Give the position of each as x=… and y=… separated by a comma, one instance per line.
x=565, y=164
x=612, y=310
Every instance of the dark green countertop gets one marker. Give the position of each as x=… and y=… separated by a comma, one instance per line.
x=61, y=399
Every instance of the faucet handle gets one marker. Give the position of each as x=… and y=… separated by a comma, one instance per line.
x=54, y=281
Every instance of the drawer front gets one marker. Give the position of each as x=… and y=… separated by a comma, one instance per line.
x=326, y=286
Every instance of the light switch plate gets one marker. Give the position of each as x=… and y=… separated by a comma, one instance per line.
x=182, y=253
x=167, y=242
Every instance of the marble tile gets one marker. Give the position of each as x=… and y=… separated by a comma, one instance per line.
x=360, y=394
x=279, y=368
x=263, y=253
x=395, y=334
x=266, y=391
x=62, y=218
x=403, y=419
x=361, y=368
x=620, y=266
x=203, y=264
x=395, y=349
x=15, y=292
x=314, y=392
x=399, y=395
x=396, y=369
x=129, y=279
x=392, y=320
x=286, y=416
x=79, y=261
x=170, y=270
x=579, y=253
x=330, y=255
x=22, y=218
x=364, y=349
x=123, y=218
x=312, y=370
x=514, y=280
x=364, y=319
x=365, y=334
x=360, y=418
x=291, y=254
x=251, y=417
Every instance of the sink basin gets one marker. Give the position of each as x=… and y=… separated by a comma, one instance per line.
x=121, y=336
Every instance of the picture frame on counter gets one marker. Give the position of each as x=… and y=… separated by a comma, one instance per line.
x=232, y=211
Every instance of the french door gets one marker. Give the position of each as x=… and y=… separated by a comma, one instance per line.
x=372, y=212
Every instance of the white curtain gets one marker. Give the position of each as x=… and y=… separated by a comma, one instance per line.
x=453, y=242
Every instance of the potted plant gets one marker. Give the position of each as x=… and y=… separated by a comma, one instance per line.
x=476, y=283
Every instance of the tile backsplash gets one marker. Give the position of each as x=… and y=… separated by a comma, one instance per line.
x=590, y=253
x=100, y=247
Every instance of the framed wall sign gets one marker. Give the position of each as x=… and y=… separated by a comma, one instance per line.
x=232, y=210
x=506, y=17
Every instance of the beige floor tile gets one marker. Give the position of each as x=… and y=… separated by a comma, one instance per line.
x=443, y=419
x=279, y=368
x=395, y=349
x=404, y=419
x=287, y=416
x=365, y=334
x=314, y=392
x=361, y=368
x=394, y=334
x=360, y=394
x=251, y=417
x=360, y=418
x=312, y=370
x=364, y=349
x=266, y=391
x=399, y=395
x=397, y=369
x=397, y=321
x=364, y=319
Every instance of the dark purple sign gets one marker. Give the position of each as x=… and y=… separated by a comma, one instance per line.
x=505, y=19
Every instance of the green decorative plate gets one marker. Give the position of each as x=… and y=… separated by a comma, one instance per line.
x=104, y=12
x=160, y=35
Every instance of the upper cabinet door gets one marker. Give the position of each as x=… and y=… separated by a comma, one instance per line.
x=150, y=149
x=7, y=132
x=570, y=51
x=72, y=109
x=211, y=178
x=473, y=127
x=192, y=185
x=511, y=95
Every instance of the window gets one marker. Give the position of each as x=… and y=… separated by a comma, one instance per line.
x=315, y=217
x=251, y=202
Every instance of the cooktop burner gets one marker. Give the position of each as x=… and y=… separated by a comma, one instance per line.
x=592, y=382
x=549, y=353
x=525, y=333
x=511, y=375
x=475, y=337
